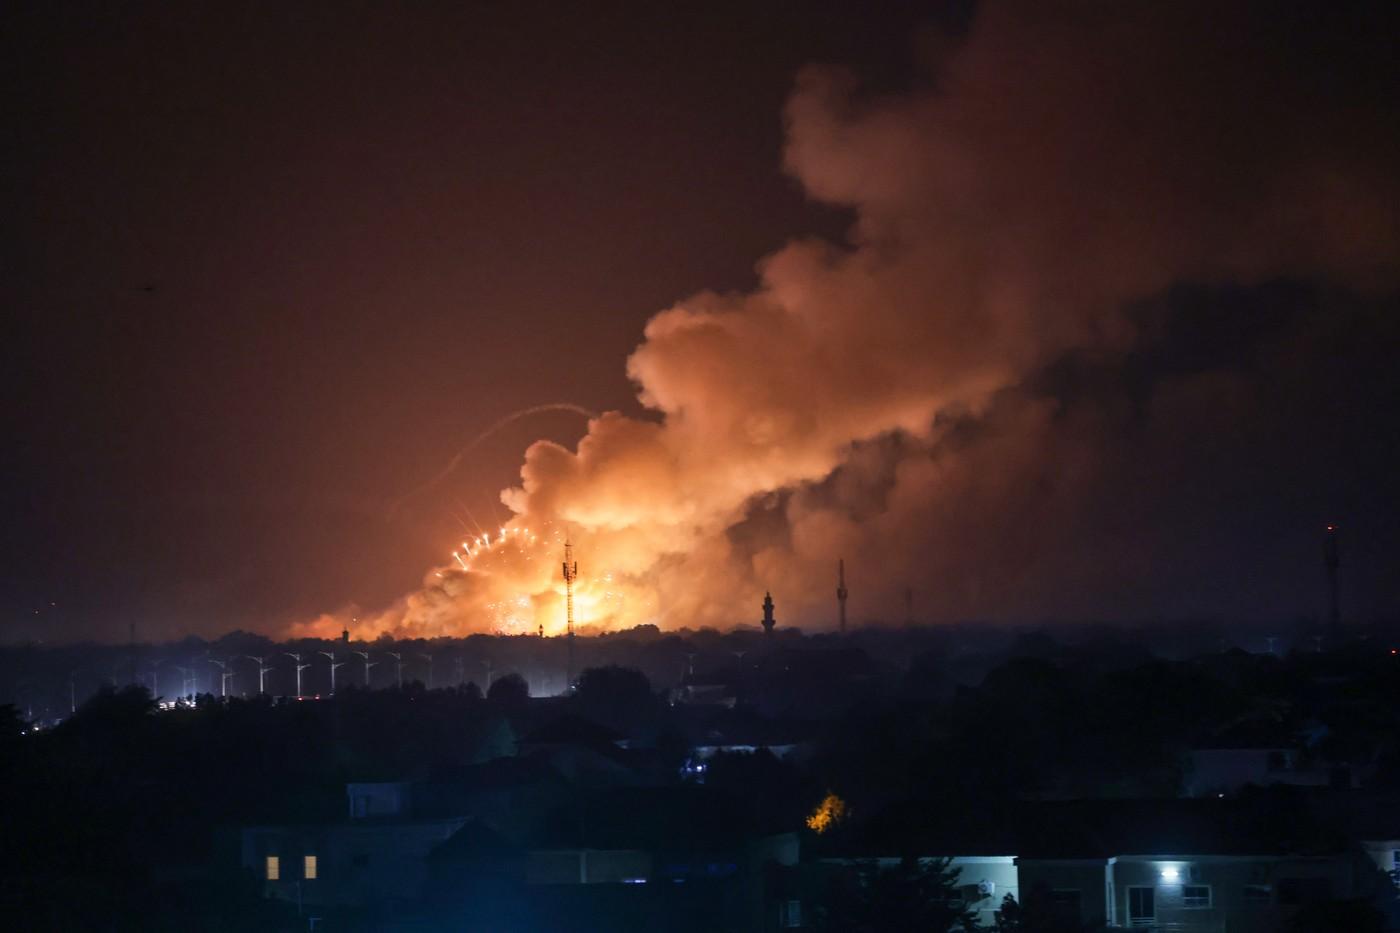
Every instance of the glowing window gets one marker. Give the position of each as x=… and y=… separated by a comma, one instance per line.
x=308, y=867
x=1195, y=895
x=274, y=868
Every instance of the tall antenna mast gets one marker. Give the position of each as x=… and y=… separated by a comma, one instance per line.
x=841, y=592
x=570, y=575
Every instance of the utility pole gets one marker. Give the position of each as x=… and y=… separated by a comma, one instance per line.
x=224, y=675
x=570, y=575
x=262, y=672
x=185, y=688
x=72, y=692
x=368, y=664
x=429, y=659
x=398, y=666
x=487, y=664
x=296, y=656
x=334, y=664
x=459, y=668
x=841, y=591
x=155, y=676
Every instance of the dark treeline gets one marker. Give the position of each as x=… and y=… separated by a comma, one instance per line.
x=47, y=682
x=116, y=816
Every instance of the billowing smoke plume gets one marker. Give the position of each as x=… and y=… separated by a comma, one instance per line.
x=894, y=399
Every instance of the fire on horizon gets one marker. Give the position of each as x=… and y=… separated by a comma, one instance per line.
x=1041, y=311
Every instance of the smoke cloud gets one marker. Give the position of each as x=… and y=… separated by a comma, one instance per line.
x=941, y=399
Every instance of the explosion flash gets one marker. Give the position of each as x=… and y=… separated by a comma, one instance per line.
x=818, y=414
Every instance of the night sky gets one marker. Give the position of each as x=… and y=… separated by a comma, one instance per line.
x=1105, y=325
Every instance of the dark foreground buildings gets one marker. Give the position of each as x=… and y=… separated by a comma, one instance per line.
x=881, y=782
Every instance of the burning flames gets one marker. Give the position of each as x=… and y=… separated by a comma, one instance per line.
x=1000, y=223
x=829, y=812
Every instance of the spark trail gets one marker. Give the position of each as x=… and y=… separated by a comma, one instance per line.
x=456, y=460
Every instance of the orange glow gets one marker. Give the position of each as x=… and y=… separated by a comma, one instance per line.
x=829, y=812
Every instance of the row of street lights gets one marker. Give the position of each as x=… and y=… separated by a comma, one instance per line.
x=226, y=672
x=189, y=673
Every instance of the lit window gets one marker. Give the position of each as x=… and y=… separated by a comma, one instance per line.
x=274, y=868
x=1195, y=895
x=790, y=914
x=308, y=868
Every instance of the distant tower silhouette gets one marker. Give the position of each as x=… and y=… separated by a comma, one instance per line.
x=841, y=591
x=768, y=620
x=345, y=636
x=570, y=575
x=1331, y=559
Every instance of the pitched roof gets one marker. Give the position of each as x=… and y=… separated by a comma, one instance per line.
x=473, y=841
x=1262, y=824
x=1266, y=824
x=573, y=730
x=653, y=818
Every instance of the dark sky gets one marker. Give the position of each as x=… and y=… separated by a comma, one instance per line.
x=269, y=266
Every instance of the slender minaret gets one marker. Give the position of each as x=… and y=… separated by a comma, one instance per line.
x=768, y=621
x=841, y=591
x=570, y=575
x=1331, y=559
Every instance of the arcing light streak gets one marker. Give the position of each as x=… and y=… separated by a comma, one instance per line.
x=957, y=288
x=503, y=422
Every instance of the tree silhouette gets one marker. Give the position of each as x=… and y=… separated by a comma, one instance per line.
x=616, y=695
x=916, y=894
x=510, y=690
